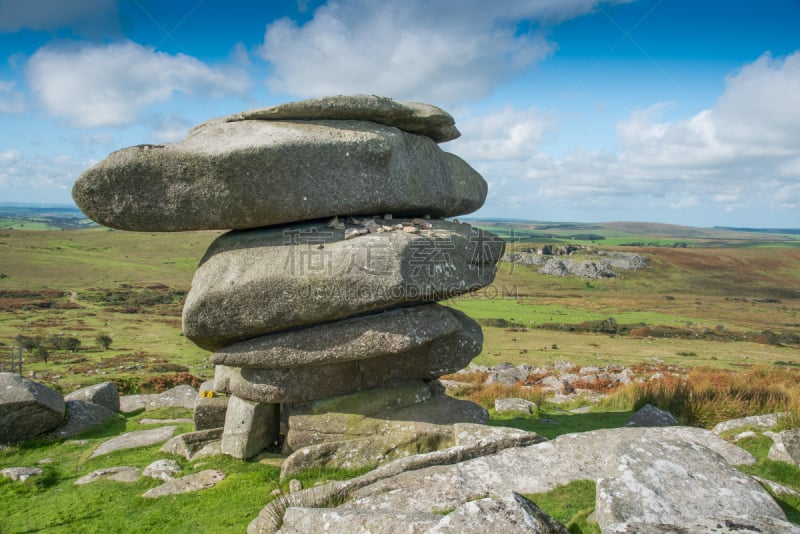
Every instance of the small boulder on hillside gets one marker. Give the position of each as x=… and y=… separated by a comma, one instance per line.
x=80, y=415
x=104, y=394
x=27, y=408
x=649, y=415
x=514, y=405
x=21, y=474
x=183, y=396
x=786, y=447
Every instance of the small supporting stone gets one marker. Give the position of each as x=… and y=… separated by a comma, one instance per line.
x=209, y=412
x=250, y=427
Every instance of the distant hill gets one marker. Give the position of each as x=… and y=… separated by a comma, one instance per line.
x=18, y=216
x=630, y=233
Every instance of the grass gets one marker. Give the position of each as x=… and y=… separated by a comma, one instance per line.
x=782, y=472
x=52, y=503
x=706, y=397
x=571, y=504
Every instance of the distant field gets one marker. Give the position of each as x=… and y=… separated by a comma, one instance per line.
x=129, y=285
x=637, y=234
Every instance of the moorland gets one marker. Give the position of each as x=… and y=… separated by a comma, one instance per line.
x=721, y=304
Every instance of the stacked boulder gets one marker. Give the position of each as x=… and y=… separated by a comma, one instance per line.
x=320, y=305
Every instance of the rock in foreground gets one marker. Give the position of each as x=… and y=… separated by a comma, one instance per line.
x=27, y=408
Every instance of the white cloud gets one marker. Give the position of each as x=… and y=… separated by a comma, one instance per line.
x=84, y=16
x=112, y=85
x=742, y=154
x=432, y=51
x=169, y=128
x=508, y=134
x=11, y=101
x=42, y=179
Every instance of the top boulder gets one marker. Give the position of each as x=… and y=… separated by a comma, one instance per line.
x=245, y=172
x=412, y=117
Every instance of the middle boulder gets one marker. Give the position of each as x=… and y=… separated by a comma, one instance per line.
x=256, y=282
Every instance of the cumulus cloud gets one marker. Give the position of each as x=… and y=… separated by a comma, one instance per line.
x=432, y=51
x=507, y=134
x=741, y=154
x=83, y=16
x=169, y=128
x=45, y=179
x=11, y=101
x=111, y=85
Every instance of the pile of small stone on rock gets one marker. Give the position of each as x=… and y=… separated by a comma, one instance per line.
x=320, y=305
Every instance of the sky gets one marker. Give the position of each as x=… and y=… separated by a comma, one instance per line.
x=673, y=111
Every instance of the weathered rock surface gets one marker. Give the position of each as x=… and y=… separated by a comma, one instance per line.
x=710, y=526
x=414, y=406
x=27, y=408
x=508, y=374
x=196, y=482
x=250, y=427
x=565, y=459
x=445, y=354
x=649, y=415
x=80, y=415
x=759, y=421
x=786, y=447
x=105, y=394
x=183, y=396
x=117, y=474
x=131, y=440
x=368, y=452
x=674, y=482
x=372, y=451
x=254, y=173
x=21, y=474
x=509, y=514
x=776, y=487
x=162, y=470
x=192, y=444
x=473, y=434
x=412, y=117
x=268, y=280
x=132, y=403
x=447, y=479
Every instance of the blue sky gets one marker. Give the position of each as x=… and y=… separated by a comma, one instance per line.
x=671, y=111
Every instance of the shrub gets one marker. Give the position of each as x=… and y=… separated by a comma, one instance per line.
x=158, y=384
x=706, y=397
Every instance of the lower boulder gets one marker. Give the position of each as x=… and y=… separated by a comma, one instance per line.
x=370, y=428
x=414, y=406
